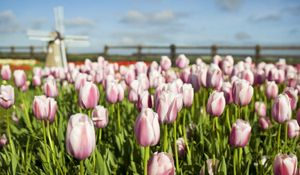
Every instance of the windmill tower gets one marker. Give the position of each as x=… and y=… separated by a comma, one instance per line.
x=56, y=51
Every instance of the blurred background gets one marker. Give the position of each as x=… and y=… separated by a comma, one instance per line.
x=145, y=29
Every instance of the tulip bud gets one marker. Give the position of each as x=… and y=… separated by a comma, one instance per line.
x=165, y=63
x=227, y=90
x=182, y=61
x=146, y=128
x=80, y=137
x=271, y=89
x=7, y=96
x=50, y=88
x=129, y=76
x=214, y=77
x=5, y=72
x=281, y=109
x=88, y=95
x=242, y=92
x=260, y=109
x=161, y=163
x=80, y=79
x=185, y=74
x=285, y=164
x=264, y=122
x=100, y=116
x=3, y=140
x=145, y=100
x=247, y=75
x=44, y=108
x=240, y=133
x=259, y=76
x=216, y=103
x=293, y=96
x=293, y=128
x=19, y=78
x=181, y=147
x=36, y=80
x=188, y=94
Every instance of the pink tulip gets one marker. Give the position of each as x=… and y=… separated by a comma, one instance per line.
x=88, y=95
x=247, y=75
x=293, y=128
x=285, y=164
x=129, y=76
x=227, y=90
x=100, y=116
x=182, y=61
x=80, y=79
x=113, y=92
x=170, y=75
x=195, y=81
x=44, y=108
x=216, y=103
x=217, y=59
x=140, y=67
x=36, y=80
x=5, y=72
x=260, y=109
x=3, y=140
x=185, y=74
x=50, y=88
x=240, y=133
x=80, y=137
x=242, y=92
x=214, y=77
x=271, y=89
x=202, y=76
x=188, y=94
x=161, y=164
x=181, y=147
x=165, y=63
x=259, y=76
x=146, y=128
x=145, y=100
x=293, y=96
x=264, y=122
x=7, y=96
x=19, y=78
x=227, y=65
x=168, y=105
x=281, y=109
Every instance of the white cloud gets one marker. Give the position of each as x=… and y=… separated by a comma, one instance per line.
x=8, y=22
x=79, y=22
x=268, y=16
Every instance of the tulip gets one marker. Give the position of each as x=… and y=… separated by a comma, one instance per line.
x=165, y=63
x=214, y=77
x=293, y=128
x=80, y=79
x=227, y=90
x=145, y=100
x=44, y=108
x=181, y=147
x=247, y=75
x=140, y=67
x=36, y=80
x=227, y=65
x=169, y=104
x=100, y=116
x=88, y=95
x=188, y=94
x=19, y=78
x=182, y=61
x=242, y=92
x=216, y=103
x=146, y=128
x=129, y=76
x=260, y=109
x=240, y=133
x=259, y=76
x=80, y=137
x=217, y=59
x=50, y=88
x=161, y=164
x=271, y=89
x=3, y=140
x=5, y=72
x=185, y=74
x=7, y=96
x=293, y=96
x=285, y=164
x=281, y=109
x=195, y=81
x=212, y=167
x=114, y=92
x=264, y=122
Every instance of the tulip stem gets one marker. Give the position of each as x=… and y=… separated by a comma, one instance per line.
x=50, y=141
x=165, y=137
x=175, y=148
x=10, y=141
x=119, y=118
x=285, y=134
x=146, y=153
x=185, y=139
x=99, y=135
x=278, y=138
x=234, y=160
x=81, y=167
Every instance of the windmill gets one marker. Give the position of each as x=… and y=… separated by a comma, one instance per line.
x=56, y=51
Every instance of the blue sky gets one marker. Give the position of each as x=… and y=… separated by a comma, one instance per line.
x=156, y=22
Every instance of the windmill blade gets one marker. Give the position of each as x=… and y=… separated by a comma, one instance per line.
x=37, y=33
x=41, y=38
x=63, y=53
x=59, y=19
x=76, y=37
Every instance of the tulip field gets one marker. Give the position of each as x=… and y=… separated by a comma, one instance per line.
x=224, y=117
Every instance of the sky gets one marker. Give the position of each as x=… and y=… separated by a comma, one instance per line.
x=156, y=22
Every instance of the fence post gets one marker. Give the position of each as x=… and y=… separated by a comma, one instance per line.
x=213, y=50
x=12, y=49
x=139, y=52
x=105, y=50
x=257, y=52
x=173, y=53
x=31, y=48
